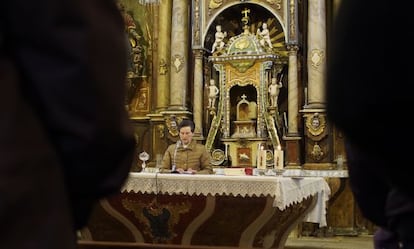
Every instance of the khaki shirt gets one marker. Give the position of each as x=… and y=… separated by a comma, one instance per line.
x=194, y=156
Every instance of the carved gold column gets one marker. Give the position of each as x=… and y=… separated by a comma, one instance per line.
x=318, y=149
x=316, y=54
x=179, y=56
x=164, y=53
x=293, y=102
x=198, y=93
x=292, y=138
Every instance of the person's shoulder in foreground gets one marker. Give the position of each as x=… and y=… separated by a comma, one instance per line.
x=359, y=100
x=65, y=137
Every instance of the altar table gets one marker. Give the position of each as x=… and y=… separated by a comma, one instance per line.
x=210, y=210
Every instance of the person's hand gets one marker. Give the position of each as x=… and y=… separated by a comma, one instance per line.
x=180, y=170
x=191, y=171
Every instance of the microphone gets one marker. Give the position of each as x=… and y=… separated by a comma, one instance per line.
x=174, y=165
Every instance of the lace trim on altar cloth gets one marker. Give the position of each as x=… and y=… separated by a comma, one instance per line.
x=285, y=190
x=296, y=190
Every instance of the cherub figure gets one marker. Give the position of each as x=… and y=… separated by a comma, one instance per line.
x=219, y=41
x=212, y=94
x=264, y=36
x=274, y=90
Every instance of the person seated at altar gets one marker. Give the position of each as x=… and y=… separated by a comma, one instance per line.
x=187, y=156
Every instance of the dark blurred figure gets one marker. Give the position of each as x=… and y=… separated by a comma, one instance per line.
x=365, y=103
x=65, y=138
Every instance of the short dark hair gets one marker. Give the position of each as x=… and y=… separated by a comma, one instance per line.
x=187, y=123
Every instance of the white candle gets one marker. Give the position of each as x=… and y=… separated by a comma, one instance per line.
x=278, y=158
x=264, y=153
x=262, y=158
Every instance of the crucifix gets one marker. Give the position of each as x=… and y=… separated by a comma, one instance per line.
x=245, y=18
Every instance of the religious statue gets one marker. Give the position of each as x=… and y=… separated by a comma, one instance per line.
x=136, y=42
x=219, y=41
x=212, y=94
x=274, y=90
x=264, y=36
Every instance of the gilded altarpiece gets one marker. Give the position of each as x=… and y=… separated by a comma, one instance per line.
x=148, y=99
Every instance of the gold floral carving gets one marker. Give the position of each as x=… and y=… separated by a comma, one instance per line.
x=161, y=129
x=278, y=3
x=292, y=14
x=178, y=62
x=242, y=43
x=242, y=73
x=317, y=57
x=242, y=66
x=163, y=67
x=317, y=153
x=214, y=4
x=196, y=22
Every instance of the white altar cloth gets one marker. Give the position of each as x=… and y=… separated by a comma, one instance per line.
x=284, y=190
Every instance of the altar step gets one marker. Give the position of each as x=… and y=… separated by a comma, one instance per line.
x=135, y=245
x=335, y=242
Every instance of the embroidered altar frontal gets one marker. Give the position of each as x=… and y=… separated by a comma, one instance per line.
x=149, y=212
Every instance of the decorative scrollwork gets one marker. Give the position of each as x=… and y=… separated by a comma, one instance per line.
x=217, y=157
x=317, y=153
x=178, y=62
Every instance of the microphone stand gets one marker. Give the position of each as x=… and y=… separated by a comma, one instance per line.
x=174, y=165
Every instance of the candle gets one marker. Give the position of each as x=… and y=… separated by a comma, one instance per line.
x=278, y=158
x=262, y=158
x=264, y=153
